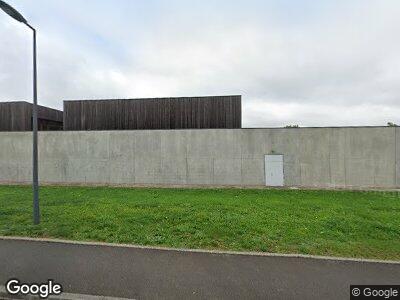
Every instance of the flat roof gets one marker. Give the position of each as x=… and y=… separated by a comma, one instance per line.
x=154, y=98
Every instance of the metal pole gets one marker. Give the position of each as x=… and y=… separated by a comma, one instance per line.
x=35, y=184
x=36, y=211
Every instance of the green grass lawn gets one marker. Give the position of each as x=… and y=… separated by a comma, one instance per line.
x=334, y=223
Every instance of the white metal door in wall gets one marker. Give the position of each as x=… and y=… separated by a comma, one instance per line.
x=274, y=170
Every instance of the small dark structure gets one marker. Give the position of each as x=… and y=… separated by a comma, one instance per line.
x=154, y=113
x=17, y=116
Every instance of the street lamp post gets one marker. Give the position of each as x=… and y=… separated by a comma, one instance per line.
x=35, y=184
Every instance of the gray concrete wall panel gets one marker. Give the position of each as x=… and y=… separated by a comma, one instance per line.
x=313, y=157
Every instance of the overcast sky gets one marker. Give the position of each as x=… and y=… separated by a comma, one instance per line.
x=312, y=63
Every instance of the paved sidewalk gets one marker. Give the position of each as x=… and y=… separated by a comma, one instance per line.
x=154, y=273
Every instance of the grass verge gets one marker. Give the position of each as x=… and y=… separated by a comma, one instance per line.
x=332, y=223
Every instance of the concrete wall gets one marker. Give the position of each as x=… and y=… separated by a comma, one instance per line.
x=316, y=157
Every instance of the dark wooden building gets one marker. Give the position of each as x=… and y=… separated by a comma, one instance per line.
x=17, y=116
x=154, y=113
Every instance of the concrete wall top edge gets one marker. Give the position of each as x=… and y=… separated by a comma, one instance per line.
x=211, y=129
x=319, y=127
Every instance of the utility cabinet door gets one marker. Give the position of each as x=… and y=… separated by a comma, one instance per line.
x=274, y=170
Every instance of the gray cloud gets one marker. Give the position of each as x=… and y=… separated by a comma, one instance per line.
x=336, y=65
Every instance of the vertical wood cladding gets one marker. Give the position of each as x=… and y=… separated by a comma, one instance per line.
x=17, y=116
x=154, y=113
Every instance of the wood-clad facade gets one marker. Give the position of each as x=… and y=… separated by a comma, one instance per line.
x=17, y=116
x=154, y=113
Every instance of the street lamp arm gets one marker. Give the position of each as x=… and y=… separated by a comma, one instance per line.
x=31, y=27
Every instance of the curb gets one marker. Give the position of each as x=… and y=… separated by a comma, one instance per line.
x=265, y=254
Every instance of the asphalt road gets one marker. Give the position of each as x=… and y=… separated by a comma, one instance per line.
x=148, y=273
